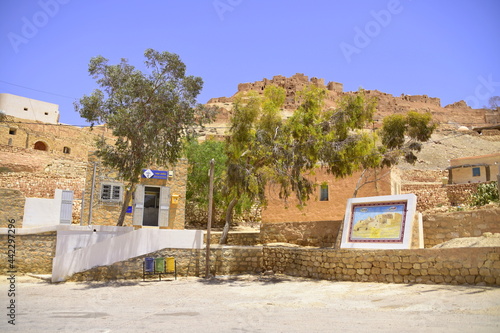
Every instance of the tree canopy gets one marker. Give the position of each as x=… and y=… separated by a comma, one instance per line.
x=263, y=148
x=149, y=112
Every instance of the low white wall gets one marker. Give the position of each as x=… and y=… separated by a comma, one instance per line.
x=76, y=237
x=121, y=247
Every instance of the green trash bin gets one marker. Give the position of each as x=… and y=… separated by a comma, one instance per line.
x=160, y=266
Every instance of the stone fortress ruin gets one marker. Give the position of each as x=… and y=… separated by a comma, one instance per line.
x=450, y=116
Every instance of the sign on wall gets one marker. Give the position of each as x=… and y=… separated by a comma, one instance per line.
x=154, y=174
x=383, y=222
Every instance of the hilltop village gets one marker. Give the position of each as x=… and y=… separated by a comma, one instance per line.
x=49, y=176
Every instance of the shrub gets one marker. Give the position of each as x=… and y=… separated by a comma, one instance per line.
x=485, y=194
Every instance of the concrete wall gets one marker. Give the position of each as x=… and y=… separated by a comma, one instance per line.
x=122, y=247
x=28, y=108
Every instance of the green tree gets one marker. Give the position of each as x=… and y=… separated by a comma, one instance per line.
x=149, y=113
x=199, y=156
x=401, y=137
x=254, y=125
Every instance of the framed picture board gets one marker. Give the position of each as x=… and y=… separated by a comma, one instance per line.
x=383, y=222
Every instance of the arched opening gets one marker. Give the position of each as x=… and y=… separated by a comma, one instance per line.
x=39, y=145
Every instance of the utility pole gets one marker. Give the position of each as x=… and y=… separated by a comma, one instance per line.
x=209, y=222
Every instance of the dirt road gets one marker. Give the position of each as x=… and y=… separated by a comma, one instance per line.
x=248, y=304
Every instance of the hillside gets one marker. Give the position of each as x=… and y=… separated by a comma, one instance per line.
x=449, y=144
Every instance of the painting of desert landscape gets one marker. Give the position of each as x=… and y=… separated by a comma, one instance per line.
x=377, y=223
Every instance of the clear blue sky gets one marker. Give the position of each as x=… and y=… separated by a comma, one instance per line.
x=442, y=48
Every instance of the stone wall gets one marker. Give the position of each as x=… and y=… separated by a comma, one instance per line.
x=321, y=234
x=459, y=194
x=429, y=195
x=442, y=227
x=223, y=261
x=34, y=252
x=450, y=266
x=41, y=185
x=246, y=238
x=11, y=207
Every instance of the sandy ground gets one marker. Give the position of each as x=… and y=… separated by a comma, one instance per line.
x=248, y=304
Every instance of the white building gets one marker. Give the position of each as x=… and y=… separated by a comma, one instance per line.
x=27, y=108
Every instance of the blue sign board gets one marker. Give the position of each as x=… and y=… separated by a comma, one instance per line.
x=129, y=209
x=154, y=174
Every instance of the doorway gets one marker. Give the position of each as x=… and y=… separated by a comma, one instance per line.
x=151, y=206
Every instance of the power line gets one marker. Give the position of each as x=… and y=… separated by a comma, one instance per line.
x=45, y=92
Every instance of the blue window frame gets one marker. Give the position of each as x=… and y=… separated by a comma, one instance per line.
x=476, y=172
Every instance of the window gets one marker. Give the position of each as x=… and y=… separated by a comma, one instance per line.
x=111, y=192
x=476, y=172
x=66, y=150
x=323, y=193
x=25, y=109
x=12, y=131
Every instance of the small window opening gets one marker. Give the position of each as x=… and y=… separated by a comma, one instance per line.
x=12, y=131
x=25, y=109
x=323, y=194
x=46, y=113
x=66, y=150
x=476, y=172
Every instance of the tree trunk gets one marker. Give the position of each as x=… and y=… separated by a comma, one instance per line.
x=359, y=184
x=229, y=219
x=126, y=201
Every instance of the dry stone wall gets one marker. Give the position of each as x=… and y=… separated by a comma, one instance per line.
x=431, y=266
x=34, y=252
x=321, y=234
x=442, y=227
x=11, y=207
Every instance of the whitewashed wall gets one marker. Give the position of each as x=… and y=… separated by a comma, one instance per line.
x=107, y=248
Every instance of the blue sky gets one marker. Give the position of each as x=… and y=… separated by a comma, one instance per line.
x=442, y=48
